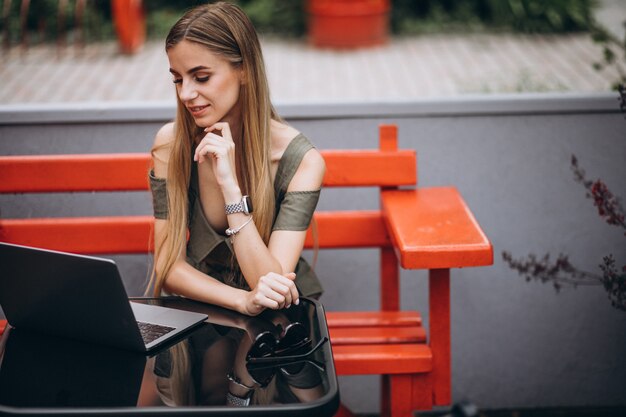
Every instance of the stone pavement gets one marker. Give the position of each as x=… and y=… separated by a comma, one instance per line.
x=407, y=68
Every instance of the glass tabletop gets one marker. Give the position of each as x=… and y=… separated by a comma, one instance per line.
x=279, y=362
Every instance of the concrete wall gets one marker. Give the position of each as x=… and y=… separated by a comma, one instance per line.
x=513, y=343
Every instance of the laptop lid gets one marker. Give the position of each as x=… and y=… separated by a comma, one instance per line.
x=68, y=295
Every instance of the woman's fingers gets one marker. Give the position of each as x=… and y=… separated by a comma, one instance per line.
x=295, y=295
x=288, y=288
x=224, y=129
x=212, y=144
x=262, y=300
x=279, y=291
x=274, y=290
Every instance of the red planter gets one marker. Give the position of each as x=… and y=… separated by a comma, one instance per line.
x=129, y=20
x=348, y=23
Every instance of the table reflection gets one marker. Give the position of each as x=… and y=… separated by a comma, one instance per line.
x=56, y=372
x=240, y=360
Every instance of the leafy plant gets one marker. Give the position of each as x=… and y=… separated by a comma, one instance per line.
x=44, y=21
x=530, y=16
x=535, y=16
x=562, y=272
x=613, y=52
x=276, y=16
x=289, y=17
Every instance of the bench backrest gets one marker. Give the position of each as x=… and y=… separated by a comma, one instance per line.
x=386, y=167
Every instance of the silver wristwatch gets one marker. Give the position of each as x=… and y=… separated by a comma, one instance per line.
x=244, y=206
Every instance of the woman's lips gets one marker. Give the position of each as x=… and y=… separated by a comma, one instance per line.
x=197, y=110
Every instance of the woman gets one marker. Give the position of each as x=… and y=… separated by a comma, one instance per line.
x=229, y=175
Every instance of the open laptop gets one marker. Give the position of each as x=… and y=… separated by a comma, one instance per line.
x=81, y=297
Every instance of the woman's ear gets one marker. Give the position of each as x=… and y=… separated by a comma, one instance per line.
x=243, y=79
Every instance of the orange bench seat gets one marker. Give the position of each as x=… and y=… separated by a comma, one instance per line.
x=376, y=335
x=373, y=318
x=376, y=359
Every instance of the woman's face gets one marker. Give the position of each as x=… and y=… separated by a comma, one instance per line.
x=206, y=84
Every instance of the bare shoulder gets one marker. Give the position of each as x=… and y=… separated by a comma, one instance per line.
x=282, y=135
x=161, y=149
x=310, y=173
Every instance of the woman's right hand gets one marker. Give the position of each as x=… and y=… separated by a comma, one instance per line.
x=273, y=291
x=220, y=150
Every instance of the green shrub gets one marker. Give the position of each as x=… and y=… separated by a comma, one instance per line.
x=531, y=16
x=554, y=16
x=288, y=18
x=276, y=16
x=42, y=21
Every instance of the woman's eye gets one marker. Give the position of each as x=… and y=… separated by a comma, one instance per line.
x=202, y=79
x=177, y=80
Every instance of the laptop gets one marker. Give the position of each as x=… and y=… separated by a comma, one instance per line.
x=81, y=297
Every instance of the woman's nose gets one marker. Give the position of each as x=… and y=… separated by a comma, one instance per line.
x=187, y=91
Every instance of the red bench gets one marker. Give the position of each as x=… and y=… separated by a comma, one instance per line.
x=416, y=228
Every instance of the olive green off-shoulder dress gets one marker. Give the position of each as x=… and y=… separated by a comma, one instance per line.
x=212, y=253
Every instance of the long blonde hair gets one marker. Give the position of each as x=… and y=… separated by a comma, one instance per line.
x=226, y=31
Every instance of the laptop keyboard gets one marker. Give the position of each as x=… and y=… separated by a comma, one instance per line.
x=150, y=332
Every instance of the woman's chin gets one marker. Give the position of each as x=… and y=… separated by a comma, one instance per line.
x=204, y=122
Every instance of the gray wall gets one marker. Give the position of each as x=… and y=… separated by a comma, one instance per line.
x=513, y=343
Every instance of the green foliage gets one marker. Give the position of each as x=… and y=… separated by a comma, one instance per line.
x=409, y=16
x=542, y=16
x=533, y=16
x=162, y=14
x=38, y=22
x=43, y=24
x=268, y=16
x=288, y=17
x=276, y=16
x=613, y=53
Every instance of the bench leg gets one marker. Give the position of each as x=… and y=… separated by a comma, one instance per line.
x=389, y=281
x=439, y=316
x=422, y=395
x=400, y=391
x=385, y=398
x=409, y=392
x=389, y=301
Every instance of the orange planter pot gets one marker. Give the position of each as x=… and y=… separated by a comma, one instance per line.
x=348, y=23
x=130, y=24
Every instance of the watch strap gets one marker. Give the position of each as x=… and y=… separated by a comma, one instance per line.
x=241, y=207
x=235, y=401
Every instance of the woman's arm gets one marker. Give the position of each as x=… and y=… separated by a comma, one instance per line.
x=285, y=247
x=273, y=290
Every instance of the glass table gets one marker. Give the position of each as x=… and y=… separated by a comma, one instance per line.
x=278, y=363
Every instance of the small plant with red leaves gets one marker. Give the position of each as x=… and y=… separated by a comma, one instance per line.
x=561, y=272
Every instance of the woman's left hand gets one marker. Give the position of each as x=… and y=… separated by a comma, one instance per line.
x=273, y=291
x=220, y=150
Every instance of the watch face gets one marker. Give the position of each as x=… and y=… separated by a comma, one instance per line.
x=247, y=202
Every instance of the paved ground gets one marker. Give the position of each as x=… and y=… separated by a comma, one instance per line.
x=407, y=68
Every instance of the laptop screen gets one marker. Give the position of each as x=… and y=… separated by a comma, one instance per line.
x=278, y=362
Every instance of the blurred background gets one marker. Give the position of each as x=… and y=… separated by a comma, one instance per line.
x=496, y=96
x=398, y=49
